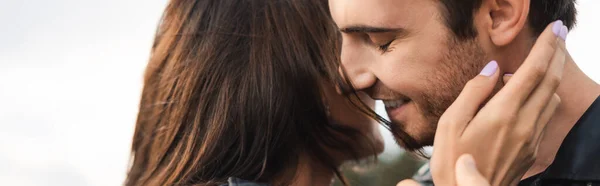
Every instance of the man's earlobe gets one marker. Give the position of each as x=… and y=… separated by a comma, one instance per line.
x=509, y=18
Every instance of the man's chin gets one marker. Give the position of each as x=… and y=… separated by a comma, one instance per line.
x=413, y=140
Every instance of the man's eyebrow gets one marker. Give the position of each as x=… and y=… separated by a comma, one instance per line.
x=369, y=29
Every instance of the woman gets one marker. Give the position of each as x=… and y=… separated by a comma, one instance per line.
x=238, y=88
x=243, y=90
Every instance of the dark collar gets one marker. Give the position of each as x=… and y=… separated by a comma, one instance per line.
x=578, y=157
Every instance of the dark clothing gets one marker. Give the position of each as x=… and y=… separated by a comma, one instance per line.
x=578, y=159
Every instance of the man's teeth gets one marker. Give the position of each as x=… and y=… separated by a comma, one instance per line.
x=394, y=103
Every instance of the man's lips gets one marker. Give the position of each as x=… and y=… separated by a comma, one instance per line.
x=395, y=107
x=394, y=103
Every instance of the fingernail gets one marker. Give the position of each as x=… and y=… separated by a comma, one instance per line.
x=557, y=27
x=489, y=69
x=509, y=75
x=470, y=162
x=564, y=31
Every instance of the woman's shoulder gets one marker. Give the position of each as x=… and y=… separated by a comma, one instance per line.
x=240, y=182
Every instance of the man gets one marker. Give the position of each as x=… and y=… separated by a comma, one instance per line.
x=417, y=55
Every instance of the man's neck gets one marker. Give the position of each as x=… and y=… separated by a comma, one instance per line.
x=577, y=92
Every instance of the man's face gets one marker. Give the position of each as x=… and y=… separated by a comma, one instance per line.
x=401, y=52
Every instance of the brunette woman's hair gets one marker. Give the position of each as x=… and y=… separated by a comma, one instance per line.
x=232, y=89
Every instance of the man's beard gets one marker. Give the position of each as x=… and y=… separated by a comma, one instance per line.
x=461, y=62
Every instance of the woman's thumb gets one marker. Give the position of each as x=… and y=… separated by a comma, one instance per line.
x=408, y=182
x=467, y=173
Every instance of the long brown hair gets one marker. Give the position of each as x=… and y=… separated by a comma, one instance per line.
x=232, y=89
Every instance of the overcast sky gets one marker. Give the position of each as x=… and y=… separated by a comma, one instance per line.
x=70, y=79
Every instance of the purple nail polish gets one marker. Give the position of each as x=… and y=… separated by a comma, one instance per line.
x=489, y=69
x=557, y=27
x=471, y=162
x=564, y=31
x=509, y=75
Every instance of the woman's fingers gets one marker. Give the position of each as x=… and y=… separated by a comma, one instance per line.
x=534, y=85
x=540, y=97
x=536, y=139
x=457, y=116
x=545, y=117
x=473, y=95
x=467, y=173
x=533, y=70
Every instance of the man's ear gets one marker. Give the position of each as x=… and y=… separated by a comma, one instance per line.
x=507, y=19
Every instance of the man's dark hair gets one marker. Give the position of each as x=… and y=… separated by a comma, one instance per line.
x=459, y=15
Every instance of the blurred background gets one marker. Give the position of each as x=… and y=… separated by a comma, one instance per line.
x=70, y=81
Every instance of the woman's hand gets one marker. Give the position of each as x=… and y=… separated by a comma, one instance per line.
x=504, y=134
x=467, y=173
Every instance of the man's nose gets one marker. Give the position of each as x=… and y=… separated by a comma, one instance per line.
x=357, y=69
